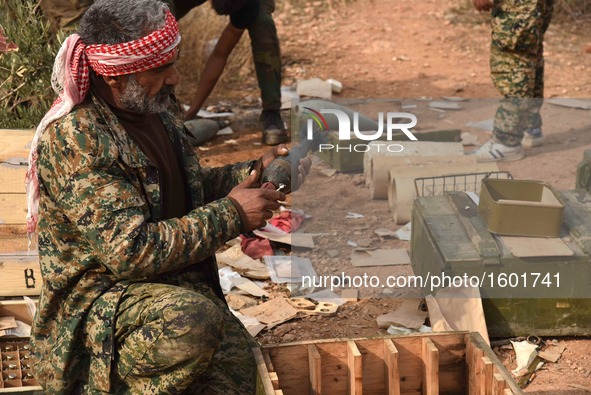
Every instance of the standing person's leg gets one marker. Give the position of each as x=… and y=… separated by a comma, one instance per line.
x=267, y=61
x=165, y=337
x=515, y=40
x=533, y=134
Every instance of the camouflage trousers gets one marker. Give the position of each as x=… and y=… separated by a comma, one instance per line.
x=517, y=65
x=175, y=340
x=267, y=55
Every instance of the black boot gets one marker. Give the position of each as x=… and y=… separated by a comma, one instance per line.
x=274, y=131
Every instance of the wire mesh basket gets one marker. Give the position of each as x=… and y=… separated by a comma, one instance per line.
x=466, y=182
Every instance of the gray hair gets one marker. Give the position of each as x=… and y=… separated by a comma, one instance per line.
x=119, y=21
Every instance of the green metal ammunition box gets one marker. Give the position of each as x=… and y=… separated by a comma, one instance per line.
x=543, y=295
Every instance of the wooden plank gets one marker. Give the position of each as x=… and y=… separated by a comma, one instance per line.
x=372, y=357
x=507, y=392
x=430, y=356
x=315, y=368
x=13, y=208
x=20, y=274
x=15, y=145
x=488, y=375
x=290, y=362
x=391, y=374
x=452, y=354
x=354, y=368
x=18, y=309
x=499, y=367
x=267, y=359
x=12, y=178
x=274, y=380
x=499, y=384
x=14, y=240
x=470, y=368
x=479, y=369
x=264, y=384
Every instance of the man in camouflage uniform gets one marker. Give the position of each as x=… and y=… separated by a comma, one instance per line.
x=252, y=15
x=128, y=222
x=517, y=70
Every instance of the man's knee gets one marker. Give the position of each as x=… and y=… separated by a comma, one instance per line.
x=192, y=327
x=177, y=326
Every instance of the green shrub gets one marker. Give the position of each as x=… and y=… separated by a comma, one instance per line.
x=25, y=74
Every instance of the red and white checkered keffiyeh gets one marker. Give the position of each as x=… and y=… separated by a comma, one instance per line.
x=71, y=81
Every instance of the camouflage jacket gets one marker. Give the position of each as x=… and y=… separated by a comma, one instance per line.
x=100, y=230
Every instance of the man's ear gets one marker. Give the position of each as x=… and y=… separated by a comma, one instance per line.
x=115, y=82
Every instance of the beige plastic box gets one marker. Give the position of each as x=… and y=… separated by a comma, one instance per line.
x=521, y=208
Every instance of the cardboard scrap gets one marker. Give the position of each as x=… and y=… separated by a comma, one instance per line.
x=552, y=353
x=536, y=246
x=455, y=98
x=272, y=313
x=486, y=124
x=384, y=232
x=239, y=302
x=404, y=233
x=571, y=103
x=252, y=325
x=288, y=94
x=289, y=269
x=380, y=257
x=457, y=309
x=314, y=87
x=469, y=139
x=296, y=239
x=336, y=86
x=445, y=105
x=354, y=216
x=350, y=295
x=7, y=323
x=209, y=114
x=243, y=264
x=248, y=286
x=408, y=315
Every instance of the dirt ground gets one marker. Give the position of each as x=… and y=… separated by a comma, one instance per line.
x=411, y=49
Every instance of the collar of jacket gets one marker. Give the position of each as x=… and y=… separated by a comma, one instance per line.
x=133, y=156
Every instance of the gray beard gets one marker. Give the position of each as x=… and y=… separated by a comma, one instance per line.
x=135, y=99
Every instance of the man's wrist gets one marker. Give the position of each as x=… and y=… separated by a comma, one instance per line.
x=241, y=214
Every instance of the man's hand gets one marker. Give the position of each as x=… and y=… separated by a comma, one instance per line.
x=281, y=150
x=267, y=158
x=257, y=204
x=483, y=5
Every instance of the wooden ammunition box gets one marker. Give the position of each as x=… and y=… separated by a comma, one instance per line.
x=16, y=376
x=20, y=274
x=443, y=363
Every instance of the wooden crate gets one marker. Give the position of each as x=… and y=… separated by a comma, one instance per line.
x=19, y=270
x=16, y=351
x=14, y=151
x=422, y=364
